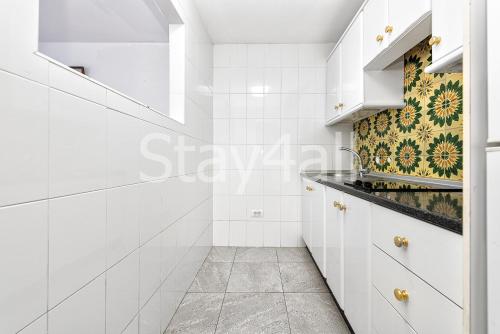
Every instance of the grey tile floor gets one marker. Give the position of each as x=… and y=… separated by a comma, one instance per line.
x=258, y=290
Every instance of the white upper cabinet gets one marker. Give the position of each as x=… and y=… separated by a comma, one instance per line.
x=352, y=66
x=447, y=36
x=353, y=92
x=392, y=27
x=493, y=43
x=333, y=84
x=374, y=37
x=403, y=14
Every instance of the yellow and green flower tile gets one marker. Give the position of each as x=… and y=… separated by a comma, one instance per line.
x=425, y=138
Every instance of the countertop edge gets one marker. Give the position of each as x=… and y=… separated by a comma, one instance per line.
x=447, y=223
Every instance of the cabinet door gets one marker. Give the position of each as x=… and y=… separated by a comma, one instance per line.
x=493, y=43
x=448, y=24
x=306, y=211
x=352, y=67
x=374, y=22
x=318, y=225
x=402, y=14
x=357, y=272
x=334, y=245
x=333, y=84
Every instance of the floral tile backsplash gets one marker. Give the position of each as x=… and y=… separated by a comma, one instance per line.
x=425, y=138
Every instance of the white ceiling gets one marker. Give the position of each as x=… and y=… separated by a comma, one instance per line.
x=276, y=21
x=102, y=21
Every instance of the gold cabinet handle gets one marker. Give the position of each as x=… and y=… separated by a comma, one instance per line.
x=389, y=29
x=401, y=295
x=401, y=242
x=379, y=38
x=308, y=188
x=435, y=40
x=339, y=206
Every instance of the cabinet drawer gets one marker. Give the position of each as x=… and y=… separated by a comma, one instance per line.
x=385, y=319
x=433, y=253
x=426, y=310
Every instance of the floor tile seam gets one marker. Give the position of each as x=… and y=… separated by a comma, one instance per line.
x=225, y=293
x=284, y=300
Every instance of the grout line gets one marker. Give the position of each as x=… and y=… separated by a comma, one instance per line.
x=225, y=291
x=283, y=293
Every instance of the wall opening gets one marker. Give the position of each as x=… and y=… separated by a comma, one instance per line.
x=123, y=44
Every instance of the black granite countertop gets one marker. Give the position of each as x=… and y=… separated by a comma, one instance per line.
x=441, y=208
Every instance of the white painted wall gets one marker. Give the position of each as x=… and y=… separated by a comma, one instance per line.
x=139, y=70
x=86, y=245
x=263, y=93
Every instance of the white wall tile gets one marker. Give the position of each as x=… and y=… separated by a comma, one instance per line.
x=238, y=207
x=122, y=227
x=290, y=208
x=289, y=55
x=221, y=207
x=133, y=327
x=237, y=154
x=237, y=132
x=222, y=55
x=272, y=234
x=272, y=209
x=77, y=243
x=273, y=55
x=255, y=131
x=238, y=106
x=221, y=233
x=221, y=131
x=77, y=158
x=238, y=55
x=122, y=293
x=24, y=127
x=289, y=106
x=122, y=104
x=222, y=106
x=150, y=269
x=255, y=81
x=272, y=106
x=170, y=297
x=313, y=55
x=222, y=80
x=237, y=233
x=255, y=234
x=289, y=80
x=169, y=252
x=83, y=312
x=23, y=245
x=272, y=80
x=256, y=55
x=254, y=202
x=255, y=106
x=272, y=131
x=289, y=130
x=238, y=79
x=150, y=317
x=289, y=234
x=39, y=326
x=123, y=148
x=272, y=182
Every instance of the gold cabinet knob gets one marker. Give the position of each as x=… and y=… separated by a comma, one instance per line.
x=308, y=188
x=379, y=38
x=339, y=206
x=389, y=29
x=341, y=105
x=435, y=40
x=401, y=242
x=401, y=295
x=337, y=107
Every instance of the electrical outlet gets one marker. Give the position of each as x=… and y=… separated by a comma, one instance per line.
x=257, y=213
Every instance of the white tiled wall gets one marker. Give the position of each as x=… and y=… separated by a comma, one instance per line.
x=261, y=94
x=86, y=245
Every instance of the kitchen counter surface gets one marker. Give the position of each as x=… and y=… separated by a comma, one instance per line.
x=440, y=208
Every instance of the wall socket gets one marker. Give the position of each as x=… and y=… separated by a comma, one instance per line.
x=257, y=213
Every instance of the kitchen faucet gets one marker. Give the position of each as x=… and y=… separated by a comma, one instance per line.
x=363, y=170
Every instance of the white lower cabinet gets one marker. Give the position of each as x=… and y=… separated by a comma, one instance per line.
x=357, y=247
x=424, y=308
x=335, y=244
x=386, y=320
x=313, y=221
